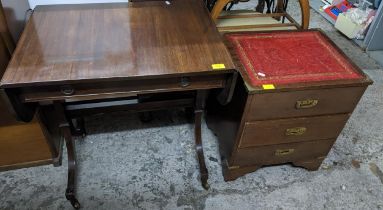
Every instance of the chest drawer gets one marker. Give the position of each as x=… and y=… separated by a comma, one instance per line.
x=303, y=103
x=282, y=153
x=282, y=131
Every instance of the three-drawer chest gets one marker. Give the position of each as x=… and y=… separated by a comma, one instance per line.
x=296, y=93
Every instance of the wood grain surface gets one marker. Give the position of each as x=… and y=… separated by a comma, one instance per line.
x=23, y=144
x=68, y=43
x=267, y=155
x=283, y=104
x=269, y=132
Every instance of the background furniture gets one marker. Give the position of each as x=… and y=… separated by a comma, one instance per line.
x=244, y=20
x=372, y=42
x=291, y=106
x=16, y=13
x=21, y=144
x=136, y=56
x=34, y=3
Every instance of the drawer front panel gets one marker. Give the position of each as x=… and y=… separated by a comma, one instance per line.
x=282, y=153
x=304, y=103
x=282, y=131
x=87, y=91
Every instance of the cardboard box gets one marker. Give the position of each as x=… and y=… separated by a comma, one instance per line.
x=347, y=27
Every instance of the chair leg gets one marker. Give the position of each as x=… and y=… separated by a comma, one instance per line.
x=268, y=5
x=279, y=9
x=199, y=108
x=260, y=6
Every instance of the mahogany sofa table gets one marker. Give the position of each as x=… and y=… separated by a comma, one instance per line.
x=74, y=60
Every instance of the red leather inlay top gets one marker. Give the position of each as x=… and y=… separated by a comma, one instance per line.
x=290, y=57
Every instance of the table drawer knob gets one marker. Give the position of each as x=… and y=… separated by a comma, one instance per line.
x=185, y=81
x=67, y=90
x=298, y=131
x=283, y=152
x=306, y=104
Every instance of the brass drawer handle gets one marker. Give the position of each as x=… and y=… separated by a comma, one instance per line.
x=233, y=167
x=185, y=81
x=67, y=90
x=295, y=131
x=305, y=104
x=283, y=152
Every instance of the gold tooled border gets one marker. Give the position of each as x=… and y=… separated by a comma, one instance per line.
x=236, y=38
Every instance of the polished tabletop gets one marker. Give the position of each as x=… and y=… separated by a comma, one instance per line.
x=69, y=43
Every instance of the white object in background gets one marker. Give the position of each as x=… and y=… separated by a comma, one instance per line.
x=327, y=2
x=357, y=15
x=325, y=6
x=347, y=27
x=34, y=3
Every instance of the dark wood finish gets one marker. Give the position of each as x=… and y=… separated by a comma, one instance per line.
x=7, y=118
x=234, y=172
x=50, y=127
x=198, y=111
x=6, y=50
x=311, y=165
x=269, y=132
x=65, y=129
x=283, y=104
x=268, y=155
x=226, y=121
x=26, y=164
x=138, y=51
x=22, y=144
x=227, y=93
x=124, y=40
x=26, y=144
x=5, y=35
x=252, y=127
x=87, y=109
x=90, y=91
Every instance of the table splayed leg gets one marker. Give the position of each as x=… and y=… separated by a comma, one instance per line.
x=198, y=111
x=65, y=129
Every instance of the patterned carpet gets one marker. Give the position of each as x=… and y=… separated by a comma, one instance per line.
x=126, y=164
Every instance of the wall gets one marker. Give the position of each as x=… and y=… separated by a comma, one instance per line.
x=33, y=3
x=15, y=12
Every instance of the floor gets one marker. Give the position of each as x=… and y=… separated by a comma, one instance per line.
x=125, y=164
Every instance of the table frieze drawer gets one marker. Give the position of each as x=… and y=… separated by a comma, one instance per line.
x=95, y=90
x=282, y=153
x=282, y=131
x=304, y=103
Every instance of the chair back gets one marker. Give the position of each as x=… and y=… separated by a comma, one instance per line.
x=276, y=11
